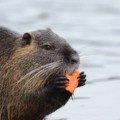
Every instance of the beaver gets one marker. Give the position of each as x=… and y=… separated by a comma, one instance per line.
x=32, y=73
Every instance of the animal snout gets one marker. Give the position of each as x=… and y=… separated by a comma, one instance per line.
x=74, y=59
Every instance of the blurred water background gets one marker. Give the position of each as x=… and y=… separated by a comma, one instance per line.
x=92, y=27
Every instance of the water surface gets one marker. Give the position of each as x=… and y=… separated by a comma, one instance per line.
x=92, y=27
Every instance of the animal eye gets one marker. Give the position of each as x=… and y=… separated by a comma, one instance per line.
x=47, y=47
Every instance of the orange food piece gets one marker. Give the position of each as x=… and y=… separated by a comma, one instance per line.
x=73, y=81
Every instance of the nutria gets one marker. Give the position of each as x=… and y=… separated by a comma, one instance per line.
x=32, y=73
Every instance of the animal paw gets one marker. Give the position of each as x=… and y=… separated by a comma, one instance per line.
x=60, y=82
x=82, y=80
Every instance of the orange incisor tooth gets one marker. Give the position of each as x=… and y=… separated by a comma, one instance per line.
x=73, y=81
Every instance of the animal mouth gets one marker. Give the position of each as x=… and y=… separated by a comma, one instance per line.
x=68, y=70
x=71, y=72
x=72, y=69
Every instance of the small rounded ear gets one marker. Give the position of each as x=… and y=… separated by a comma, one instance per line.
x=26, y=39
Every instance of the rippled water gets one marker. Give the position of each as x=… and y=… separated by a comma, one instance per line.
x=92, y=27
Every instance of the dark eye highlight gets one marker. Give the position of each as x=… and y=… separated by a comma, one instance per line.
x=47, y=47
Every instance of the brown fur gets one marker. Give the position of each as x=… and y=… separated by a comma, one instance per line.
x=25, y=95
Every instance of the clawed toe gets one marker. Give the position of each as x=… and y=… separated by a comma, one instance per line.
x=82, y=78
x=61, y=82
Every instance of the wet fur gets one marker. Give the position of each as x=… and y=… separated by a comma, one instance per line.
x=28, y=73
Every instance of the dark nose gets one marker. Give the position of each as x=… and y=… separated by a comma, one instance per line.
x=74, y=58
x=73, y=61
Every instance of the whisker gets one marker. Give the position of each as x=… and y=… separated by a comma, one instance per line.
x=47, y=73
x=37, y=70
x=43, y=72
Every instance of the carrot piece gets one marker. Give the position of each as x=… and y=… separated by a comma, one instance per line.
x=73, y=81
